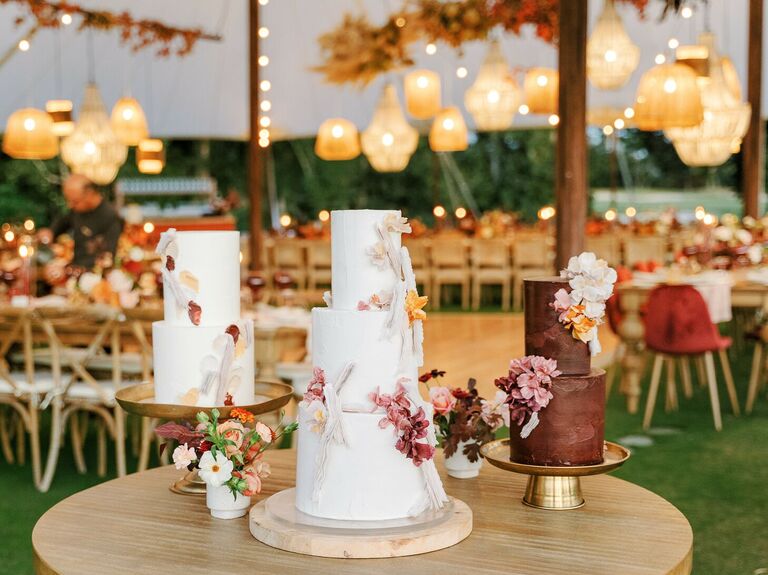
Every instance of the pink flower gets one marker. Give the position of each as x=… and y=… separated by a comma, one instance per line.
x=362, y=306
x=183, y=456
x=442, y=400
x=527, y=386
x=315, y=388
x=233, y=431
x=265, y=433
x=562, y=304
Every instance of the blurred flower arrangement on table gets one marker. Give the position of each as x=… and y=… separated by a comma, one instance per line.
x=461, y=416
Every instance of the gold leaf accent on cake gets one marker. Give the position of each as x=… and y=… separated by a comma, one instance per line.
x=188, y=279
x=240, y=347
x=191, y=397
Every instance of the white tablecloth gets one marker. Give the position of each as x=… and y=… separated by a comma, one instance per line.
x=714, y=286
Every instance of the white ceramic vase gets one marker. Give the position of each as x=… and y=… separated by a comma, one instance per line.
x=223, y=504
x=458, y=465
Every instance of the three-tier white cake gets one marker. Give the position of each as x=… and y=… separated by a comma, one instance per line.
x=203, y=350
x=366, y=439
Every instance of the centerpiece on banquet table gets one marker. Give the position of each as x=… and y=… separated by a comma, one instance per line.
x=464, y=421
x=228, y=456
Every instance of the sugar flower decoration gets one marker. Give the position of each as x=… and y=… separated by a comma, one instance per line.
x=378, y=255
x=582, y=309
x=414, y=306
x=215, y=470
x=183, y=456
x=395, y=223
x=527, y=389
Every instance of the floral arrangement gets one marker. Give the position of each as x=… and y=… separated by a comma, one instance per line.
x=228, y=452
x=461, y=415
x=115, y=287
x=411, y=425
x=583, y=308
x=527, y=389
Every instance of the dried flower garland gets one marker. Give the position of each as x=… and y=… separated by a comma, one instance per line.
x=138, y=33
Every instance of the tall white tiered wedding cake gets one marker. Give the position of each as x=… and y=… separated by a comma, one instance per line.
x=366, y=439
x=203, y=350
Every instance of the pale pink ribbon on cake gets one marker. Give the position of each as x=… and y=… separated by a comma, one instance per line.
x=334, y=430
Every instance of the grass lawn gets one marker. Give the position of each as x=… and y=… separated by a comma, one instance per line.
x=718, y=480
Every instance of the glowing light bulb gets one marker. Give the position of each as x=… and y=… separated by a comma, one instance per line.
x=660, y=59
x=542, y=80
x=523, y=109
x=670, y=85
x=553, y=120
x=265, y=85
x=23, y=251
x=24, y=45
x=285, y=220
x=9, y=236
x=460, y=213
x=149, y=227
x=686, y=12
x=263, y=133
x=263, y=61
x=618, y=123
x=263, y=2
x=610, y=215
x=66, y=19
x=337, y=131
x=439, y=211
x=546, y=213
x=263, y=32
x=29, y=124
x=265, y=121
x=709, y=219
x=89, y=148
x=387, y=139
x=699, y=212
x=127, y=113
x=449, y=124
x=430, y=49
x=494, y=96
x=266, y=106
x=608, y=130
x=263, y=142
x=422, y=82
x=461, y=72
x=673, y=43
x=631, y=212
x=29, y=225
x=629, y=112
x=610, y=55
x=400, y=22
x=324, y=215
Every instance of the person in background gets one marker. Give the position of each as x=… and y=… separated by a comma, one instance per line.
x=93, y=222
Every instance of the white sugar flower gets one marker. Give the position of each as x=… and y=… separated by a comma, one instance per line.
x=395, y=223
x=183, y=455
x=215, y=471
x=378, y=253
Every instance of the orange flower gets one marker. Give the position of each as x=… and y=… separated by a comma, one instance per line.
x=414, y=304
x=102, y=292
x=243, y=415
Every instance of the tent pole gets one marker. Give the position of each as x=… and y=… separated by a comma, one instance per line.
x=754, y=141
x=571, y=152
x=255, y=153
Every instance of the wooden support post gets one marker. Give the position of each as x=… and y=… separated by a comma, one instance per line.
x=753, y=145
x=571, y=153
x=255, y=153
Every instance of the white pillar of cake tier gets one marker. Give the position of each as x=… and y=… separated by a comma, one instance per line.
x=207, y=264
x=355, y=276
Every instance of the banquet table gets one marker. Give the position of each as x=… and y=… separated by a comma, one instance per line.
x=136, y=525
x=744, y=294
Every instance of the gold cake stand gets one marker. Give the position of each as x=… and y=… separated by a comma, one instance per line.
x=140, y=400
x=551, y=487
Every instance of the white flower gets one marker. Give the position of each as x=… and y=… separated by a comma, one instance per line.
x=755, y=253
x=378, y=254
x=120, y=281
x=744, y=237
x=183, y=455
x=88, y=281
x=128, y=300
x=395, y=223
x=215, y=471
x=723, y=234
x=594, y=309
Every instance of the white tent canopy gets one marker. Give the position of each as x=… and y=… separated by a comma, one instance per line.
x=205, y=94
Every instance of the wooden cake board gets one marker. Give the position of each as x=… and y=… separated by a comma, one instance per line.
x=277, y=523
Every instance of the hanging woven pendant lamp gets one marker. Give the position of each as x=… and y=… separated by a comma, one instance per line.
x=29, y=135
x=93, y=149
x=541, y=90
x=389, y=141
x=493, y=98
x=60, y=112
x=611, y=55
x=129, y=122
x=449, y=131
x=422, y=94
x=337, y=139
x=668, y=97
x=150, y=156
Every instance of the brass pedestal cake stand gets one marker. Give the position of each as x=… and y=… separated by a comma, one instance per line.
x=277, y=522
x=140, y=400
x=553, y=488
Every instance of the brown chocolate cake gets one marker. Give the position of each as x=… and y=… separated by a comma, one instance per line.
x=571, y=427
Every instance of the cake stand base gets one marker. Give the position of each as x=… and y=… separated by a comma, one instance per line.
x=550, y=487
x=190, y=484
x=277, y=523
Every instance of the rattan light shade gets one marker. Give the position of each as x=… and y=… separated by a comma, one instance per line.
x=611, y=55
x=389, y=141
x=150, y=156
x=422, y=94
x=93, y=149
x=60, y=112
x=29, y=135
x=449, y=131
x=493, y=98
x=337, y=139
x=129, y=121
x=668, y=97
x=541, y=90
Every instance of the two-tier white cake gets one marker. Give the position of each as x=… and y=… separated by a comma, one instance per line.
x=366, y=439
x=203, y=350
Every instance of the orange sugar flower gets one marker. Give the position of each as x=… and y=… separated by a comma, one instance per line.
x=414, y=304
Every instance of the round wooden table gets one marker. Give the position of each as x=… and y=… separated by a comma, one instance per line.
x=136, y=525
